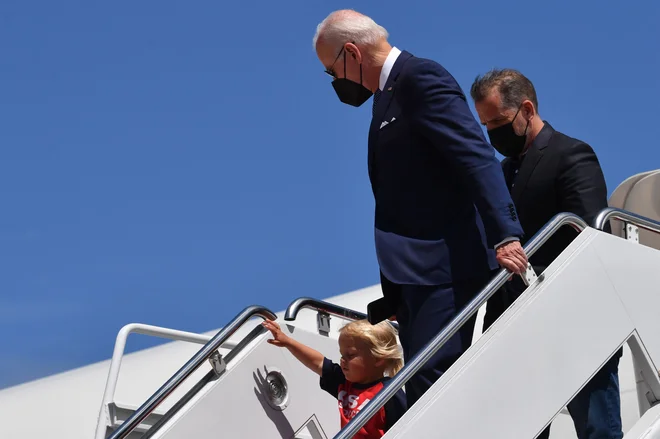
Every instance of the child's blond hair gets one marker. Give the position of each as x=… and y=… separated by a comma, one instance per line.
x=381, y=341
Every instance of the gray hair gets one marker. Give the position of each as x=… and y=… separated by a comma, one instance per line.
x=514, y=88
x=348, y=26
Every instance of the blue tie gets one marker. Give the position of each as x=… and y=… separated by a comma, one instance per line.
x=376, y=97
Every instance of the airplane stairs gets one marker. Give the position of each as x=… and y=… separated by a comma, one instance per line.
x=601, y=293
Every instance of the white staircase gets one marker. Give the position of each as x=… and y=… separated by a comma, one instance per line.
x=601, y=293
x=598, y=295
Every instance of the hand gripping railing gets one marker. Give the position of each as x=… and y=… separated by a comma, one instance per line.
x=412, y=366
x=324, y=308
x=202, y=355
x=627, y=217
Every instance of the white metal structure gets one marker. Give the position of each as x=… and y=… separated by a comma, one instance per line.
x=549, y=344
x=599, y=294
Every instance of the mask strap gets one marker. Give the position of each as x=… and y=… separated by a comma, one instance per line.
x=344, y=63
x=526, y=127
x=360, y=69
x=516, y=115
x=528, y=121
x=514, y=118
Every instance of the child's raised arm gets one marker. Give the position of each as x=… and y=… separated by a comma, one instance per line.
x=306, y=355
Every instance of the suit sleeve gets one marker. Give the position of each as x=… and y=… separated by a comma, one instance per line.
x=581, y=187
x=439, y=112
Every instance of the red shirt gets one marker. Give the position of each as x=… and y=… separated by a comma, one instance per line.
x=352, y=397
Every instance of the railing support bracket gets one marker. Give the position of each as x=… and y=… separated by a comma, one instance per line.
x=217, y=363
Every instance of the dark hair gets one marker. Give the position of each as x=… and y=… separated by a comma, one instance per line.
x=514, y=87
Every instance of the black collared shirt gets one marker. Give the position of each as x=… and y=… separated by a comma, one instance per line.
x=516, y=162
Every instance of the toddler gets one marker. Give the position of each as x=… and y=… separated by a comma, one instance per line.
x=370, y=356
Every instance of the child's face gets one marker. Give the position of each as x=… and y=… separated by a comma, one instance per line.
x=357, y=363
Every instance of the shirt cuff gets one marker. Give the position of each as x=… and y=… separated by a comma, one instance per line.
x=507, y=240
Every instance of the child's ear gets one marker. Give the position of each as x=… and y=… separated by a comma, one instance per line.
x=381, y=363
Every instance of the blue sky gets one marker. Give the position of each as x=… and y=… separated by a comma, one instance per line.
x=172, y=162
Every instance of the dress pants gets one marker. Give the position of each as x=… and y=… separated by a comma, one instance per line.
x=423, y=311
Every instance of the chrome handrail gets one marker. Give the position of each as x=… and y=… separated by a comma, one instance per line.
x=330, y=308
x=412, y=366
x=202, y=355
x=628, y=218
x=623, y=215
x=307, y=302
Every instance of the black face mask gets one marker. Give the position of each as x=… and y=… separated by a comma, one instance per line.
x=350, y=92
x=505, y=140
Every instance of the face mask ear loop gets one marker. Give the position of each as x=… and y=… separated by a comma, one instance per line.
x=513, y=120
x=526, y=127
x=344, y=64
x=516, y=115
x=345, y=68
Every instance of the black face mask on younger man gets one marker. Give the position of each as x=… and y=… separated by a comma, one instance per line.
x=505, y=140
x=350, y=92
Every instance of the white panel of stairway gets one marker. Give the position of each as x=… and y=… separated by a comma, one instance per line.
x=514, y=380
x=601, y=291
x=648, y=427
x=236, y=405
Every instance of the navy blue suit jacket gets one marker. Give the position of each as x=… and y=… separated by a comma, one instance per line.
x=429, y=166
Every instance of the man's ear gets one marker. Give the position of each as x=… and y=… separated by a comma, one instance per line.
x=528, y=109
x=353, y=51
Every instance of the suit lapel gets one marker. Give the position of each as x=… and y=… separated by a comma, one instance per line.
x=382, y=106
x=533, y=156
x=380, y=110
x=388, y=92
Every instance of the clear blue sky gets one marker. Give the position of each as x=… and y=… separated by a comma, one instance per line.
x=172, y=162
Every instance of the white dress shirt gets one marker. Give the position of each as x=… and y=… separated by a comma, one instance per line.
x=387, y=67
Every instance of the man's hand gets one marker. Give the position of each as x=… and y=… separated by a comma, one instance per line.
x=512, y=257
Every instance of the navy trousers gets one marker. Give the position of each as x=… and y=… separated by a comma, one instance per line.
x=423, y=311
x=596, y=409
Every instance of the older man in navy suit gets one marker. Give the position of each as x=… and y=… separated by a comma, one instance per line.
x=444, y=218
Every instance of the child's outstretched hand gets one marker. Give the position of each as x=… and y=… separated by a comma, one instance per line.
x=306, y=355
x=279, y=338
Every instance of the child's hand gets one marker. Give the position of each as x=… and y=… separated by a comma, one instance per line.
x=279, y=338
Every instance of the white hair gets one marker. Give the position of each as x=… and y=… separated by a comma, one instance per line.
x=349, y=26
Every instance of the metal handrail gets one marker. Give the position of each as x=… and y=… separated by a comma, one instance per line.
x=202, y=355
x=623, y=215
x=627, y=218
x=319, y=305
x=307, y=302
x=411, y=367
x=118, y=353
x=210, y=376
